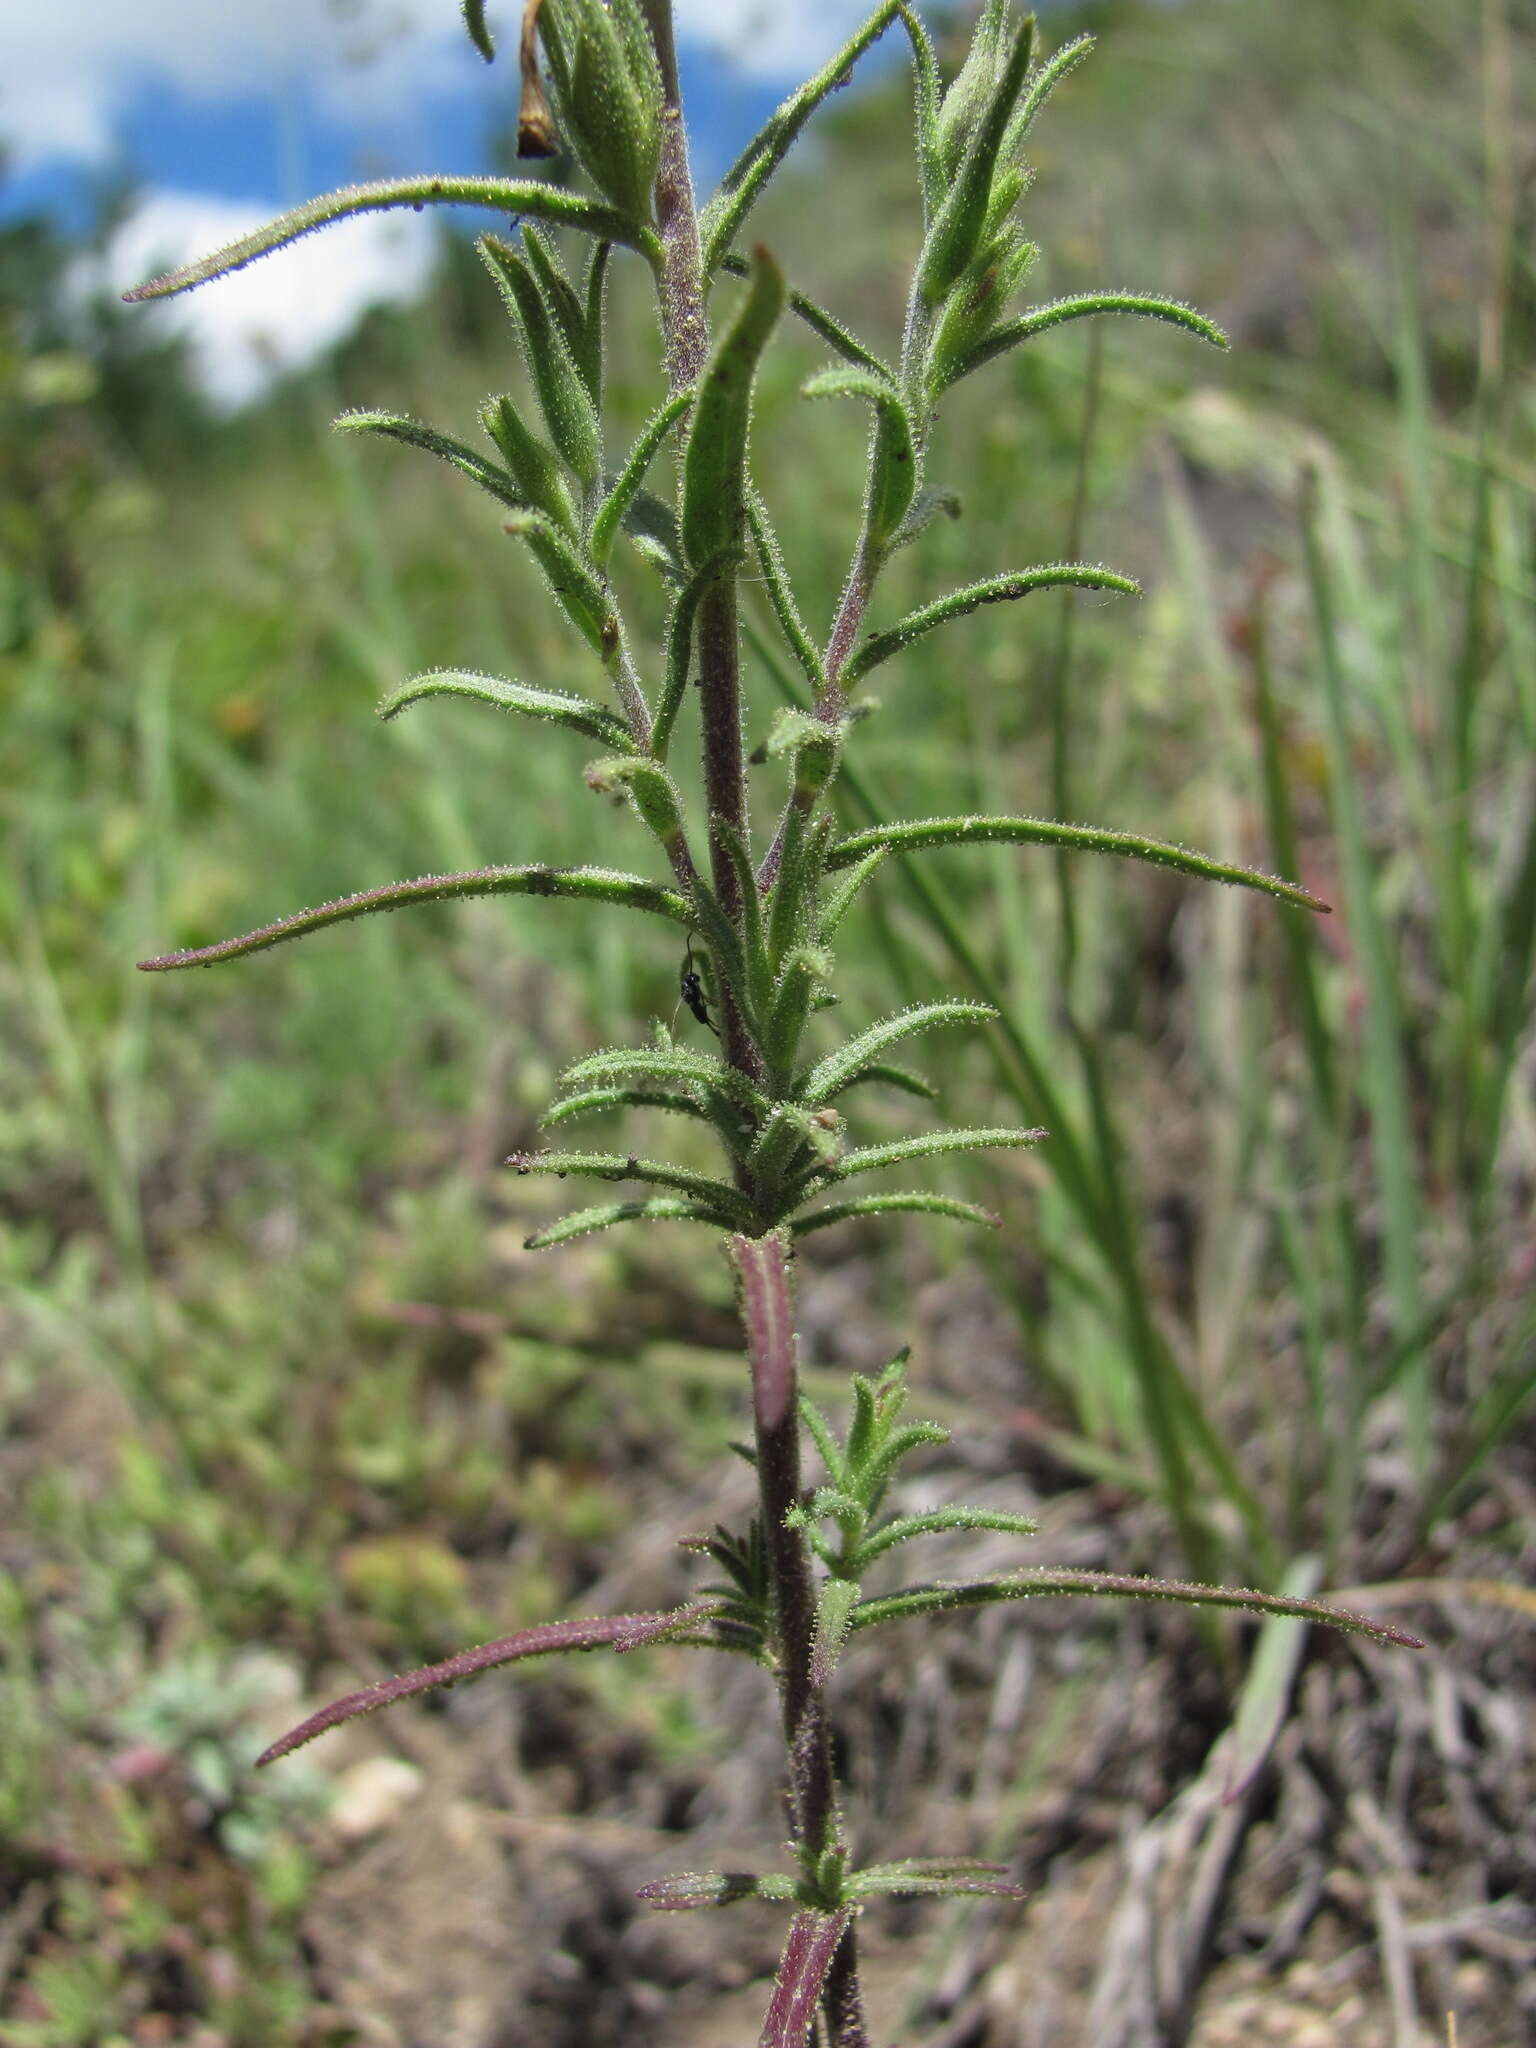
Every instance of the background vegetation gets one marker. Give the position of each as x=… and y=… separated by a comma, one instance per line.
x=284, y=1401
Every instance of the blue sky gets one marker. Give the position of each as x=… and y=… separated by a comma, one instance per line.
x=221, y=112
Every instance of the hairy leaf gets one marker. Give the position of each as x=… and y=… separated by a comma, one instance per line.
x=473, y=12
x=780, y=595
x=821, y=322
x=595, y=1099
x=596, y=885
x=880, y=647
x=743, y=183
x=885, y=1076
x=499, y=195
x=931, y=1145
x=548, y=1639
x=717, y=1195
x=838, y=1069
x=669, y=1063
x=680, y=645
x=929, y=832
x=915, y=1877
x=621, y=496
x=886, y=1205
x=661, y=1209
x=1083, y=306
x=1061, y=1580
x=594, y=720
x=715, y=467
x=397, y=427
x=812, y=1943
x=893, y=455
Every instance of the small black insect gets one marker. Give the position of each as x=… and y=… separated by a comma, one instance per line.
x=691, y=991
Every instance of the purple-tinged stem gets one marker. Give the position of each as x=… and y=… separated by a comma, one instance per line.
x=768, y=1317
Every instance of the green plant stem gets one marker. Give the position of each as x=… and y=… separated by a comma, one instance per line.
x=762, y=1266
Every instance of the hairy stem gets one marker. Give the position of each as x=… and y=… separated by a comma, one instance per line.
x=768, y=1317
x=685, y=329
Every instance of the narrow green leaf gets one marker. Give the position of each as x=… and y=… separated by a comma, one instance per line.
x=776, y=582
x=621, y=496
x=930, y=1145
x=725, y=950
x=473, y=12
x=1061, y=1581
x=1039, y=87
x=577, y=590
x=597, y=885
x=835, y=1603
x=660, y=1209
x=673, y=1063
x=820, y=1431
x=680, y=646
x=793, y=892
x=594, y=298
x=842, y=898
x=500, y=195
x=887, y=1205
x=533, y=465
x=838, y=1069
x=397, y=427
x=594, y=1099
x=714, y=512
x=925, y=82
x=569, y=313
x=754, y=944
x=930, y=832
x=652, y=792
x=939, y=1522
x=892, y=456
x=964, y=104
x=743, y=183
x=1083, y=306
x=717, y=1195
x=916, y=1877
x=804, y=968
x=963, y=217
x=820, y=322
x=880, y=647
x=890, y=1077
x=577, y=712
x=569, y=412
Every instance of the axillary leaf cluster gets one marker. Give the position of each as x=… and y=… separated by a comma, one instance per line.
x=760, y=900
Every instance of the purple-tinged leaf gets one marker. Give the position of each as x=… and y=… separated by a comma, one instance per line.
x=600, y=885
x=546, y=1639
x=1061, y=1580
x=812, y=1943
x=688, y=1890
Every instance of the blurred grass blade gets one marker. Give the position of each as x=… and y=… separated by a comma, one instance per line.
x=1383, y=1079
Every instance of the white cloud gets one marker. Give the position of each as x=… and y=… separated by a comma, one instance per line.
x=72, y=66
x=279, y=314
